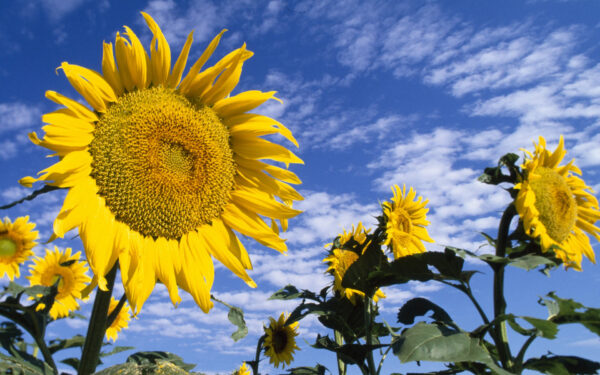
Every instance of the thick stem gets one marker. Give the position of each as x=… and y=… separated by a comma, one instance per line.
x=97, y=327
x=339, y=339
x=500, y=336
x=368, y=302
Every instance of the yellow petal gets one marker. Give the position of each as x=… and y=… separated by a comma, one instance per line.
x=160, y=56
x=251, y=225
x=260, y=203
x=243, y=102
x=109, y=69
x=261, y=149
x=189, y=78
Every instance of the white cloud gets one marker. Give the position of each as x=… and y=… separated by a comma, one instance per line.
x=16, y=115
x=57, y=9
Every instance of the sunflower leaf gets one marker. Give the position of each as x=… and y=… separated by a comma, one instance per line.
x=305, y=370
x=60, y=344
x=562, y=365
x=563, y=311
x=158, y=357
x=236, y=317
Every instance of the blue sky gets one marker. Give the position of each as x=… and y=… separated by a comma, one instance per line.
x=377, y=93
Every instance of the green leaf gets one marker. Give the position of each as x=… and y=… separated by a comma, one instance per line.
x=12, y=365
x=73, y=362
x=60, y=344
x=546, y=328
x=44, y=189
x=531, y=261
x=562, y=365
x=291, y=292
x=564, y=311
x=349, y=353
x=305, y=370
x=160, y=367
x=115, y=350
x=419, y=307
x=236, y=317
x=439, y=343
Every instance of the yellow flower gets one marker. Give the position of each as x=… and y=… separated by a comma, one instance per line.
x=280, y=341
x=162, y=170
x=120, y=322
x=243, y=370
x=406, y=222
x=340, y=260
x=70, y=274
x=555, y=206
x=16, y=241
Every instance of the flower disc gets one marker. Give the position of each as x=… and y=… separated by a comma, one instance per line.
x=163, y=164
x=280, y=341
x=16, y=241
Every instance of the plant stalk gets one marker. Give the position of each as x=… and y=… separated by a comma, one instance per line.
x=339, y=339
x=254, y=364
x=97, y=328
x=500, y=335
x=368, y=302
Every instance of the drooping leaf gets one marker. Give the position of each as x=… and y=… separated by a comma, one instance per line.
x=236, y=317
x=564, y=311
x=562, y=365
x=291, y=292
x=419, y=307
x=305, y=370
x=116, y=350
x=439, y=343
x=12, y=365
x=60, y=344
x=531, y=261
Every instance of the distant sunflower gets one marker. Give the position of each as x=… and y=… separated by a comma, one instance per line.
x=120, y=322
x=280, y=341
x=70, y=274
x=163, y=170
x=16, y=241
x=555, y=206
x=340, y=260
x=243, y=370
x=405, y=222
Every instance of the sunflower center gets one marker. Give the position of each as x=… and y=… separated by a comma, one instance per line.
x=163, y=164
x=8, y=247
x=279, y=340
x=555, y=203
x=58, y=278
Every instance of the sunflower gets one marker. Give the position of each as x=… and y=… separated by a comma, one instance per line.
x=341, y=259
x=162, y=170
x=405, y=222
x=557, y=207
x=280, y=341
x=70, y=274
x=243, y=370
x=16, y=241
x=120, y=322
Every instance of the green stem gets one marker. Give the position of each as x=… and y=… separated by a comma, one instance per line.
x=521, y=355
x=368, y=303
x=383, y=358
x=113, y=315
x=254, y=364
x=500, y=336
x=339, y=339
x=97, y=328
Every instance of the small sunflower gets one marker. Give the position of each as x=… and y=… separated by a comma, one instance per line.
x=120, y=322
x=280, y=341
x=16, y=241
x=243, y=370
x=405, y=222
x=557, y=207
x=341, y=259
x=162, y=170
x=70, y=274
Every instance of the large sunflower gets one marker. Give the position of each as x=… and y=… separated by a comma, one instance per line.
x=405, y=222
x=280, y=341
x=70, y=274
x=16, y=241
x=555, y=206
x=341, y=259
x=162, y=170
x=121, y=321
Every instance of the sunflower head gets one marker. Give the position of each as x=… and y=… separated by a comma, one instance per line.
x=121, y=320
x=16, y=241
x=165, y=169
x=405, y=222
x=555, y=206
x=342, y=257
x=243, y=370
x=280, y=341
x=66, y=269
